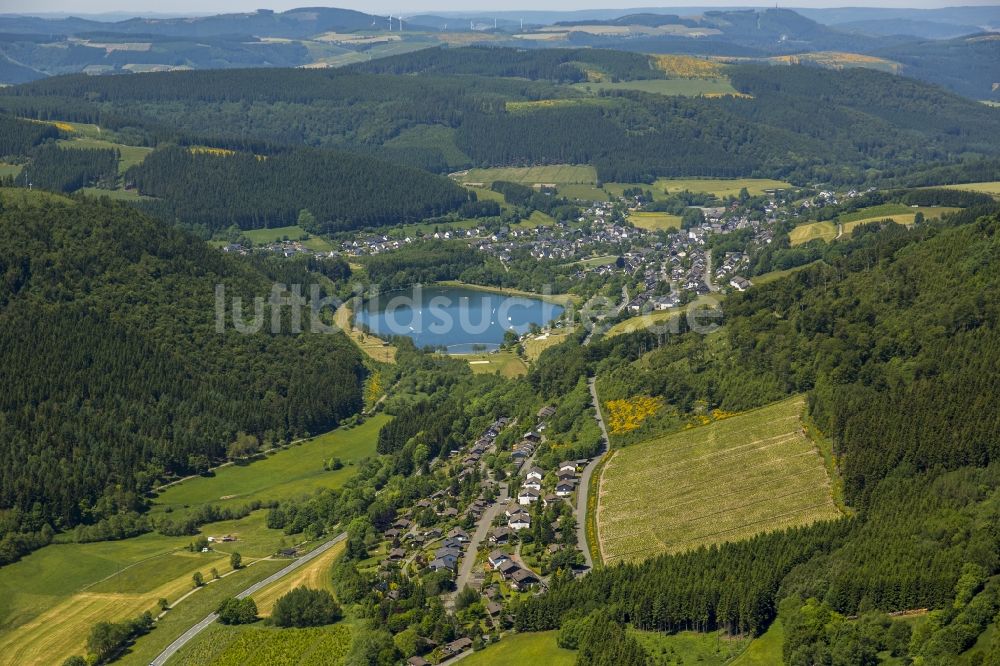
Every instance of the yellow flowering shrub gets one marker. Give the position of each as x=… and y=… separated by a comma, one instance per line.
x=628, y=415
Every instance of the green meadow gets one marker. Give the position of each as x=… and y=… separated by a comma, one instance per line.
x=533, y=648
x=292, y=472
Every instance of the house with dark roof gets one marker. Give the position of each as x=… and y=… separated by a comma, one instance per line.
x=522, y=579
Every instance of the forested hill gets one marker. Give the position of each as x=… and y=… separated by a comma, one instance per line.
x=341, y=190
x=565, y=65
x=114, y=374
x=460, y=108
x=895, y=341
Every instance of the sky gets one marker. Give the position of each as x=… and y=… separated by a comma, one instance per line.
x=180, y=7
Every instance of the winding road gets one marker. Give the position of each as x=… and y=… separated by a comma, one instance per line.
x=588, y=471
x=188, y=635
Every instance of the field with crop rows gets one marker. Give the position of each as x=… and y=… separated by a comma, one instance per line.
x=725, y=481
x=267, y=646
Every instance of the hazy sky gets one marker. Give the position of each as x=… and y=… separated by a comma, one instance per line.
x=145, y=7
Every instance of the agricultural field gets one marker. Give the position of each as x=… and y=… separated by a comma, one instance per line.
x=536, y=219
x=293, y=232
x=583, y=192
x=560, y=102
x=992, y=187
x=720, y=187
x=713, y=87
x=811, y=231
x=535, y=345
x=291, y=472
x=724, y=481
x=54, y=595
x=506, y=363
x=690, y=647
x=906, y=217
x=533, y=648
x=315, y=575
x=258, y=645
x=557, y=174
x=655, y=221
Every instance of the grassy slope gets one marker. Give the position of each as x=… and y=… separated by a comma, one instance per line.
x=808, y=232
x=506, y=363
x=288, y=473
x=655, y=221
x=555, y=173
x=727, y=480
x=765, y=650
x=535, y=648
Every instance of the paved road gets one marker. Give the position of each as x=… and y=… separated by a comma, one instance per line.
x=186, y=637
x=482, y=531
x=708, y=272
x=588, y=471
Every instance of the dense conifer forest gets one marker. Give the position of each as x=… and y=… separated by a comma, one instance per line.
x=114, y=376
x=342, y=191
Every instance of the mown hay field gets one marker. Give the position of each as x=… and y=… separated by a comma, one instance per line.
x=804, y=233
x=725, y=481
x=556, y=174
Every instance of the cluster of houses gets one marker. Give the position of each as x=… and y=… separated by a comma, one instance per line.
x=287, y=248
x=518, y=577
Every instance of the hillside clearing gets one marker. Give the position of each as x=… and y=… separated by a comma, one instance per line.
x=291, y=472
x=532, y=648
x=725, y=481
x=720, y=187
x=693, y=87
x=804, y=233
x=293, y=232
x=555, y=174
x=506, y=363
x=991, y=187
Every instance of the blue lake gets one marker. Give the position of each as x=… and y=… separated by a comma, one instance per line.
x=453, y=317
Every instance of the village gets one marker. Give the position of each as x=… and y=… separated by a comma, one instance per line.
x=503, y=545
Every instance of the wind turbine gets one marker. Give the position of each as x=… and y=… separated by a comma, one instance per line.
x=390, y=22
x=400, y=19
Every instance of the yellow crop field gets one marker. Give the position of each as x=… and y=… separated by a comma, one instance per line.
x=725, y=481
x=720, y=187
x=992, y=187
x=655, y=221
x=687, y=67
x=315, y=575
x=807, y=232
